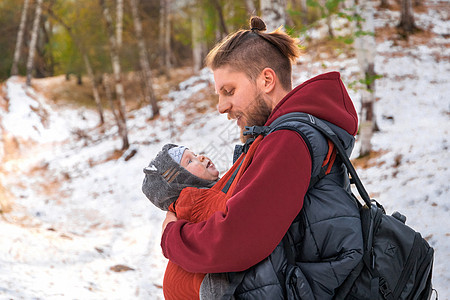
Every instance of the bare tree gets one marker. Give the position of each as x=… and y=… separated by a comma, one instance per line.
x=304, y=8
x=407, y=24
x=149, y=94
x=17, y=51
x=219, y=10
x=250, y=6
x=77, y=41
x=330, y=25
x=365, y=48
x=95, y=92
x=198, y=43
x=273, y=12
x=34, y=36
x=114, y=50
x=110, y=99
x=384, y=4
x=119, y=22
x=164, y=36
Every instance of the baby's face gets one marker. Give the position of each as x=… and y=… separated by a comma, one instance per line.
x=199, y=165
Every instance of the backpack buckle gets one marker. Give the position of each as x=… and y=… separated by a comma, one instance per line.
x=384, y=288
x=256, y=130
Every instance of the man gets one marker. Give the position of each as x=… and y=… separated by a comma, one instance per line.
x=252, y=73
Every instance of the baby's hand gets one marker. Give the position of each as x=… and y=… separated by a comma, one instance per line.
x=170, y=217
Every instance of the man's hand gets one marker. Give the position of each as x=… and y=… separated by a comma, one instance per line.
x=170, y=217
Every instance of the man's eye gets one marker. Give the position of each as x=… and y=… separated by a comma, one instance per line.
x=189, y=161
x=229, y=92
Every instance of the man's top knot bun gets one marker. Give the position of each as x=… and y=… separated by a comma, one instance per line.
x=256, y=23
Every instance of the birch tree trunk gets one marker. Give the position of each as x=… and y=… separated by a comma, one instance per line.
x=365, y=48
x=94, y=87
x=330, y=25
x=110, y=99
x=162, y=29
x=34, y=36
x=149, y=94
x=167, y=35
x=407, y=23
x=273, y=13
x=114, y=50
x=250, y=6
x=304, y=8
x=164, y=37
x=197, y=44
x=119, y=22
x=17, y=51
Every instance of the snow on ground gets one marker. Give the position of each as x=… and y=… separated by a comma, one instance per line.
x=77, y=215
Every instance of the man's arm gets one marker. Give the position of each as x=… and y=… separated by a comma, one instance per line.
x=266, y=200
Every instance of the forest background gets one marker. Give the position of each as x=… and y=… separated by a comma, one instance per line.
x=90, y=90
x=112, y=41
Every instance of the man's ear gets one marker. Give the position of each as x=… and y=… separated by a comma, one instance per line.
x=268, y=80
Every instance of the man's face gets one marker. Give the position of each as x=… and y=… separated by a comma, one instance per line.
x=241, y=98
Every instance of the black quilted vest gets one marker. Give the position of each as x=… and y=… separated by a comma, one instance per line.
x=326, y=236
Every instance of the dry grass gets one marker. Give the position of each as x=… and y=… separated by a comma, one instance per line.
x=368, y=161
x=62, y=91
x=328, y=48
x=5, y=200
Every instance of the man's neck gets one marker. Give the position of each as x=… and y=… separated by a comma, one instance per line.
x=277, y=96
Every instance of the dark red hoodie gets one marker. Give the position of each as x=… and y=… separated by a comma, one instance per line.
x=269, y=194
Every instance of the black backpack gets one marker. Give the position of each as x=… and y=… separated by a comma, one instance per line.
x=397, y=262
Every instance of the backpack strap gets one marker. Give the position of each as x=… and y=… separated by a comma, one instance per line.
x=278, y=124
x=323, y=128
x=327, y=132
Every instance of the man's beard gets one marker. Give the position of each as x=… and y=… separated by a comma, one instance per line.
x=257, y=114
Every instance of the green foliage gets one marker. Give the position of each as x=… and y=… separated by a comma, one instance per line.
x=350, y=15
x=9, y=25
x=327, y=8
x=347, y=39
x=364, y=83
x=332, y=5
x=78, y=26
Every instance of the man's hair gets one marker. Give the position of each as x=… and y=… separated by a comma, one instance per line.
x=250, y=51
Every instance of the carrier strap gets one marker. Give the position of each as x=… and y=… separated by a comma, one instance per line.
x=232, y=177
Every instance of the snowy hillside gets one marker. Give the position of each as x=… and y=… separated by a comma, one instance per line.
x=80, y=227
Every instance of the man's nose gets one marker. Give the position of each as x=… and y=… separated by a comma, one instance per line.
x=223, y=106
x=201, y=158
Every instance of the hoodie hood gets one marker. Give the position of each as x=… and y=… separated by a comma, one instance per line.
x=324, y=97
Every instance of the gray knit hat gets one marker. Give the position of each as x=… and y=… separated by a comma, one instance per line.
x=165, y=178
x=177, y=153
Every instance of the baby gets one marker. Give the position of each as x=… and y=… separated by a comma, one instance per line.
x=188, y=185
x=174, y=168
x=198, y=165
x=179, y=180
